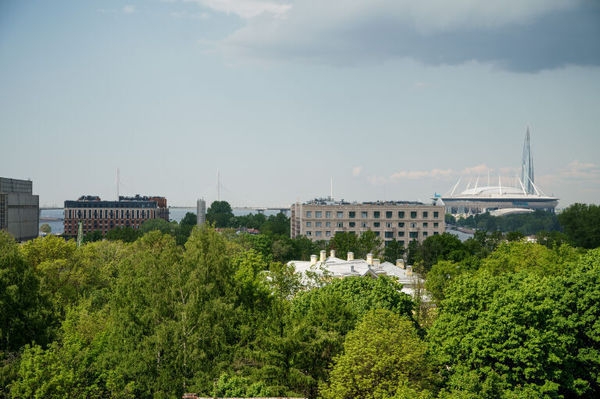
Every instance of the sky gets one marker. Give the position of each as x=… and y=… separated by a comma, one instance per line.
x=264, y=103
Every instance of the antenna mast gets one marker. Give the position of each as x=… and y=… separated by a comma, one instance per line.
x=118, y=182
x=218, y=185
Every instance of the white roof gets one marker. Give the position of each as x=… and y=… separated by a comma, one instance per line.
x=339, y=268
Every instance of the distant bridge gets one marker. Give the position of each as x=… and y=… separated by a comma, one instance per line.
x=263, y=209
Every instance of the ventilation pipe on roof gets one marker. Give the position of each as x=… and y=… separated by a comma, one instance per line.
x=332, y=253
x=323, y=255
x=350, y=256
x=370, y=259
x=313, y=260
x=400, y=263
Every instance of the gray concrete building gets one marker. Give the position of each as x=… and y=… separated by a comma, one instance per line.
x=402, y=221
x=19, y=208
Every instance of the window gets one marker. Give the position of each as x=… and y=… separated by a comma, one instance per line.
x=401, y=242
x=413, y=234
x=400, y=234
x=308, y=214
x=425, y=214
x=327, y=224
x=425, y=224
x=413, y=225
x=424, y=234
x=318, y=233
x=389, y=234
x=328, y=214
x=352, y=214
x=376, y=224
x=400, y=214
x=388, y=225
x=340, y=224
x=376, y=214
x=328, y=234
x=318, y=214
x=309, y=233
x=436, y=214
x=388, y=214
x=400, y=224
x=364, y=214
x=308, y=224
x=413, y=214
x=340, y=214
x=436, y=224
x=377, y=234
x=317, y=224
x=352, y=224
x=364, y=224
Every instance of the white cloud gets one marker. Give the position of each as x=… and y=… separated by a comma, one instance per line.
x=247, y=9
x=422, y=174
x=581, y=170
x=433, y=31
x=129, y=9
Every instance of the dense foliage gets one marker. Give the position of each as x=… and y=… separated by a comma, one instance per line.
x=221, y=315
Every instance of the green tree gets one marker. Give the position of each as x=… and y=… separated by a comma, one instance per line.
x=321, y=318
x=581, y=224
x=22, y=310
x=368, y=242
x=276, y=225
x=125, y=234
x=185, y=227
x=45, y=228
x=444, y=246
x=220, y=214
x=393, y=251
x=524, y=330
x=71, y=367
x=159, y=224
x=382, y=358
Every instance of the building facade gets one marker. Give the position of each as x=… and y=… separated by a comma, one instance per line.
x=97, y=215
x=19, y=209
x=394, y=220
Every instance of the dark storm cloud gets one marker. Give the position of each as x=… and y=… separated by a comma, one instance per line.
x=566, y=36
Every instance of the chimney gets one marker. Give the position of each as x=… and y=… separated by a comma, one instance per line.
x=350, y=256
x=332, y=253
x=400, y=263
x=376, y=262
x=323, y=255
x=313, y=260
x=409, y=271
x=370, y=259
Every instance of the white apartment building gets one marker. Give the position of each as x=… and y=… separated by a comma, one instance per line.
x=402, y=221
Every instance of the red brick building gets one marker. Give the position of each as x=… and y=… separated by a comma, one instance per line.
x=98, y=215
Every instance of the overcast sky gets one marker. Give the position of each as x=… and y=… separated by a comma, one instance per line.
x=389, y=100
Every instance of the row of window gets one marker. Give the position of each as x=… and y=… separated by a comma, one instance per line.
x=376, y=214
x=106, y=213
x=387, y=234
x=375, y=224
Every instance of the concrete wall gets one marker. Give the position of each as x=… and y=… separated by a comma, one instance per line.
x=23, y=215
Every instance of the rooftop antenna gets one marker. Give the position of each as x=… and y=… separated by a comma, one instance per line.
x=118, y=182
x=218, y=185
x=331, y=190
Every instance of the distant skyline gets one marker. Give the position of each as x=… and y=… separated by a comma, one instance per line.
x=387, y=100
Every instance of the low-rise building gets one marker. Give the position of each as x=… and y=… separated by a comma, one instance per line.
x=323, y=267
x=402, y=221
x=19, y=208
x=97, y=215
